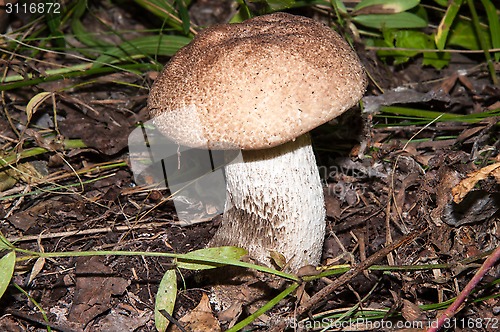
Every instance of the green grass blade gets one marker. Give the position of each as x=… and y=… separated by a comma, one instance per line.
x=165, y=10
x=16, y=81
x=54, y=23
x=164, y=45
x=419, y=114
x=482, y=41
x=183, y=15
x=87, y=38
x=494, y=23
x=55, y=188
x=160, y=8
x=77, y=26
x=339, y=6
x=190, y=259
x=14, y=156
x=446, y=23
x=269, y=305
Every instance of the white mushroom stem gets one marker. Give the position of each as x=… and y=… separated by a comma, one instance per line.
x=275, y=203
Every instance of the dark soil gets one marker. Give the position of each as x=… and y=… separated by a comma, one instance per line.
x=377, y=189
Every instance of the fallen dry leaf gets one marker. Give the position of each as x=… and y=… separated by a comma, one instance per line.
x=201, y=319
x=122, y=321
x=448, y=179
x=94, y=287
x=231, y=314
x=410, y=311
x=7, y=323
x=466, y=185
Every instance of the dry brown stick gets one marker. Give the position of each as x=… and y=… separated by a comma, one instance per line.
x=346, y=277
x=40, y=321
x=85, y=232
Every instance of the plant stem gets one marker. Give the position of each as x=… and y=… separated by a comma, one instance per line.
x=12, y=158
x=189, y=258
x=482, y=42
x=77, y=71
x=264, y=308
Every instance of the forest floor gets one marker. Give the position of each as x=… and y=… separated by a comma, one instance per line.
x=383, y=180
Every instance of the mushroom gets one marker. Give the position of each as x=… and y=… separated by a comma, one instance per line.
x=261, y=86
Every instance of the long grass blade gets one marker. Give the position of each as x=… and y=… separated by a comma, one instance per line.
x=494, y=23
x=482, y=41
x=446, y=23
x=142, y=47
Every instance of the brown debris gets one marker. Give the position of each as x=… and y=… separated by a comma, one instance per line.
x=445, y=178
x=200, y=319
x=95, y=284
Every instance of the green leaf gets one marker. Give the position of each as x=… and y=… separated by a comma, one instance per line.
x=393, y=21
x=385, y=7
x=464, y=35
x=142, y=46
x=194, y=259
x=80, y=8
x=422, y=41
x=183, y=15
x=165, y=10
x=7, y=264
x=410, y=39
x=438, y=60
x=494, y=23
x=398, y=38
x=446, y=23
x=165, y=299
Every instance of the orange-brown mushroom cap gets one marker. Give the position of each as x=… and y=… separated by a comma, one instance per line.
x=256, y=84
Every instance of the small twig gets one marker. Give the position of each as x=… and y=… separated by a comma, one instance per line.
x=345, y=226
x=26, y=189
x=346, y=277
x=172, y=320
x=452, y=309
x=391, y=191
x=31, y=318
x=86, y=232
x=388, y=235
